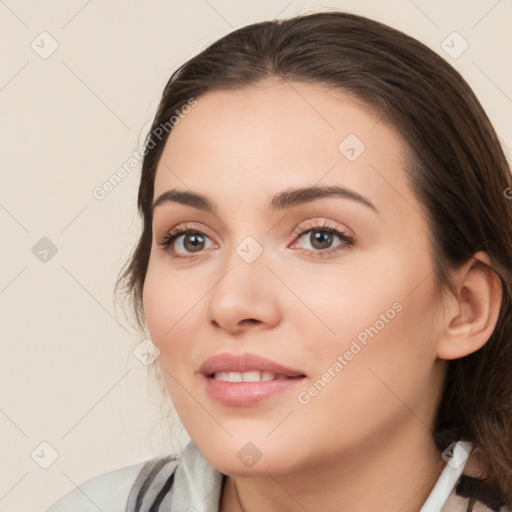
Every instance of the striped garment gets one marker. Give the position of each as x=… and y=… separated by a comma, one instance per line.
x=189, y=483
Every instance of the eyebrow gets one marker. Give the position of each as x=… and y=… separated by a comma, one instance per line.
x=283, y=200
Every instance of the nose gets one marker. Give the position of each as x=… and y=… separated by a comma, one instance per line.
x=244, y=297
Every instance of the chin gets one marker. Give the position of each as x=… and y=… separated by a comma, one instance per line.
x=242, y=457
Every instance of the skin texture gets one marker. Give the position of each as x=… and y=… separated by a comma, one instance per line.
x=364, y=441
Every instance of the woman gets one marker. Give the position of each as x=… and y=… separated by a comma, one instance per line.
x=326, y=268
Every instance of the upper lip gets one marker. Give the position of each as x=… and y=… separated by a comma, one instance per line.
x=245, y=363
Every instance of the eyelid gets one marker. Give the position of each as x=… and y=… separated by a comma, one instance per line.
x=319, y=223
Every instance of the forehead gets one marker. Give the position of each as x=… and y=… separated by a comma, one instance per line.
x=247, y=144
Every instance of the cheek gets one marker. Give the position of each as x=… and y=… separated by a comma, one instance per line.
x=157, y=307
x=372, y=376
x=338, y=302
x=168, y=315
x=174, y=308
x=377, y=319
x=169, y=300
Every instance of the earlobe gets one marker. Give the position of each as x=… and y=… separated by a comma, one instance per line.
x=471, y=318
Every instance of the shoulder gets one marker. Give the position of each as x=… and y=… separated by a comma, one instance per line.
x=117, y=490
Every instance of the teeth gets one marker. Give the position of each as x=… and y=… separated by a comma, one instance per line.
x=254, y=376
x=248, y=376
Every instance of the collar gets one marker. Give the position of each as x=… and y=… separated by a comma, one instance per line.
x=198, y=485
x=448, y=478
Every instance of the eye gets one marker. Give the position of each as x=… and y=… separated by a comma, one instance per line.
x=193, y=241
x=321, y=238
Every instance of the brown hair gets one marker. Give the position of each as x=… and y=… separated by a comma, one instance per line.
x=457, y=169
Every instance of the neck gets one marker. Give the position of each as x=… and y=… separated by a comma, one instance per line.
x=398, y=474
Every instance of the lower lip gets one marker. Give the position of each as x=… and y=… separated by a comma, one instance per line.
x=247, y=393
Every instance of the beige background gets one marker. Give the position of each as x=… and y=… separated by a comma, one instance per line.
x=68, y=375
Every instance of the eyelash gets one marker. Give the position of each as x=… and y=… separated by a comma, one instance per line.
x=348, y=241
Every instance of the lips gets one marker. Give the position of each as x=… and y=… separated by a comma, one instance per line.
x=234, y=379
x=242, y=363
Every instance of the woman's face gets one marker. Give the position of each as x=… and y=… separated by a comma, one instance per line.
x=357, y=317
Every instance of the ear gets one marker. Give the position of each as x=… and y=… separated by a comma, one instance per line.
x=471, y=318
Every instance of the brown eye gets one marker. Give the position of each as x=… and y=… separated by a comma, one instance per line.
x=192, y=242
x=321, y=239
x=184, y=242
